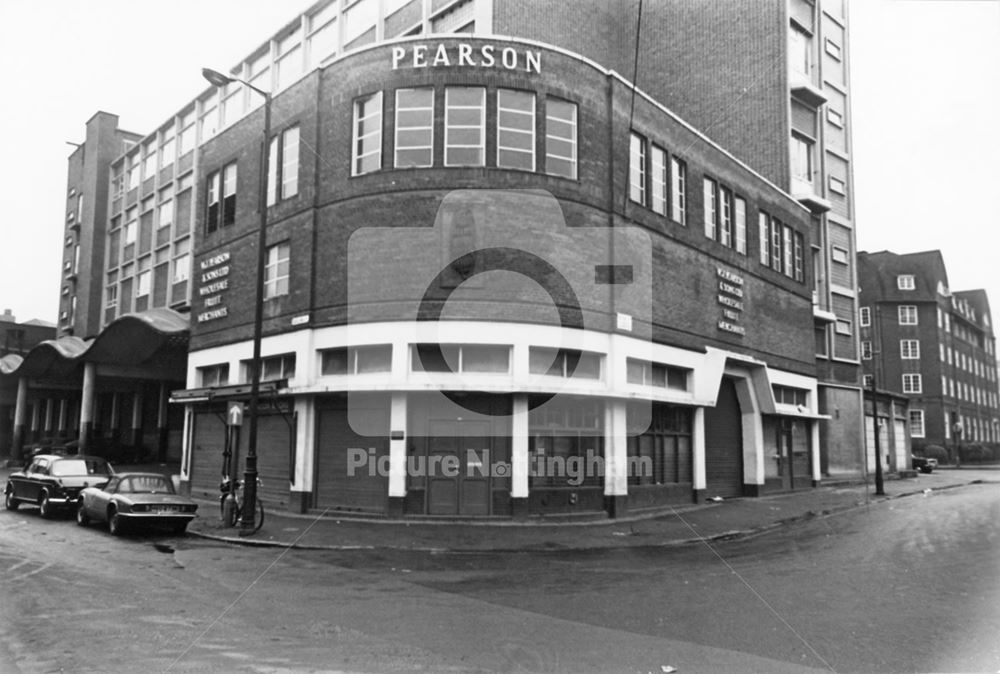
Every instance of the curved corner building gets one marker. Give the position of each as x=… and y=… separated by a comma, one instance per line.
x=522, y=258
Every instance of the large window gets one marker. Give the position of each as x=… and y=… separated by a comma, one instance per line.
x=907, y=314
x=740, y=225
x=221, y=198
x=276, y=271
x=764, y=238
x=662, y=453
x=283, y=166
x=909, y=349
x=637, y=169
x=357, y=360
x=515, y=129
x=659, y=375
x=710, y=197
x=912, y=383
x=658, y=183
x=800, y=52
x=564, y=363
x=726, y=217
x=414, y=128
x=678, y=190
x=465, y=126
x=214, y=375
x=560, y=138
x=367, y=146
x=865, y=315
x=566, y=443
x=802, y=162
x=273, y=368
x=478, y=358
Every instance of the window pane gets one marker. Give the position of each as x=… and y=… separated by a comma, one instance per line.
x=637, y=169
x=476, y=358
x=465, y=116
x=414, y=127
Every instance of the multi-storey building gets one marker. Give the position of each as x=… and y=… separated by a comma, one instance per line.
x=933, y=345
x=688, y=125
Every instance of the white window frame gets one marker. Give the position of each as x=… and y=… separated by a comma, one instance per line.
x=277, y=254
x=740, y=224
x=906, y=282
x=678, y=190
x=913, y=383
x=505, y=133
x=909, y=349
x=710, y=196
x=866, y=350
x=658, y=179
x=427, y=127
x=906, y=312
x=865, y=316
x=359, y=139
x=450, y=128
x=552, y=124
x=916, y=424
x=637, y=168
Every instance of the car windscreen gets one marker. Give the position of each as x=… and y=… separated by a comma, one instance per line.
x=67, y=467
x=146, y=484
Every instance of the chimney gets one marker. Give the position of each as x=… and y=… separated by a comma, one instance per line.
x=8, y=316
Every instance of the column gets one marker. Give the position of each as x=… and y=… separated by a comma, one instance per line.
x=20, y=417
x=47, y=419
x=137, y=421
x=519, y=459
x=616, y=457
x=817, y=469
x=305, y=441
x=87, y=407
x=162, y=424
x=698, y=454
x=116, y=419
x=62, y=430
x=397, y=454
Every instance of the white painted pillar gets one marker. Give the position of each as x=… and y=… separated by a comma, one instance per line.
x=87, y=406
x=397, y=445
x=305, y=442
x=817, y=473
x=615, y=449
x=519, y=459
x=698, y=449
x=49, y=417
x=20, y=416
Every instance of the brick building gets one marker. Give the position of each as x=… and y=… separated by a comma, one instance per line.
x=932, y=345
x=734, y=373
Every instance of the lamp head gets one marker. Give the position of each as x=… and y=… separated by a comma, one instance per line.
x=216, y=78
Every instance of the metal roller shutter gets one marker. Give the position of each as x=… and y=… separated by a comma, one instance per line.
x=724, y=444
x=366, y=490
x=274, y=443
x=209, y=440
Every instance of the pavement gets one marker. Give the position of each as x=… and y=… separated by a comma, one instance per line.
x=678, y=525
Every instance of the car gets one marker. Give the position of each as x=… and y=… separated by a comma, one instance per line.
x=925, y=464
x=54, y=481
x=134, y=501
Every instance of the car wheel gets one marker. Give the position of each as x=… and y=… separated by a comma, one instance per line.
x=9, y=502
x=82, y=518
x=115, y=523
x=45, y=507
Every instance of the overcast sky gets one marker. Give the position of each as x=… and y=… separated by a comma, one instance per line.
x=925, y=76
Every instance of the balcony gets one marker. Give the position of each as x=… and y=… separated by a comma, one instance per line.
x=805, y=193
x=804, y=89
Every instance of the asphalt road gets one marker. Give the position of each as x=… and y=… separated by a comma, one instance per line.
x=910, y=585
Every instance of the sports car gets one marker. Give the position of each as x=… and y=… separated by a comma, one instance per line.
x=134, y=501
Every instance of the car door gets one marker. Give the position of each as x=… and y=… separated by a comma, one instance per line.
x=98, y=505
x=36, y=474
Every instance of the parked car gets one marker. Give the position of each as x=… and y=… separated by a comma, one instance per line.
x=136, y=501
x=924, y=464
x=53, y=481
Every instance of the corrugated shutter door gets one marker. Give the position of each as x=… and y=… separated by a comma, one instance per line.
x=724, y=444
x=206, y=459
x=366, y=490
x=273, y=453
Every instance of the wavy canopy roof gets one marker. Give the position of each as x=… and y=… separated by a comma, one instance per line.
x=133, y=339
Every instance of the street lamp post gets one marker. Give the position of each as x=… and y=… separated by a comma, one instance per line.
x=250, y=474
